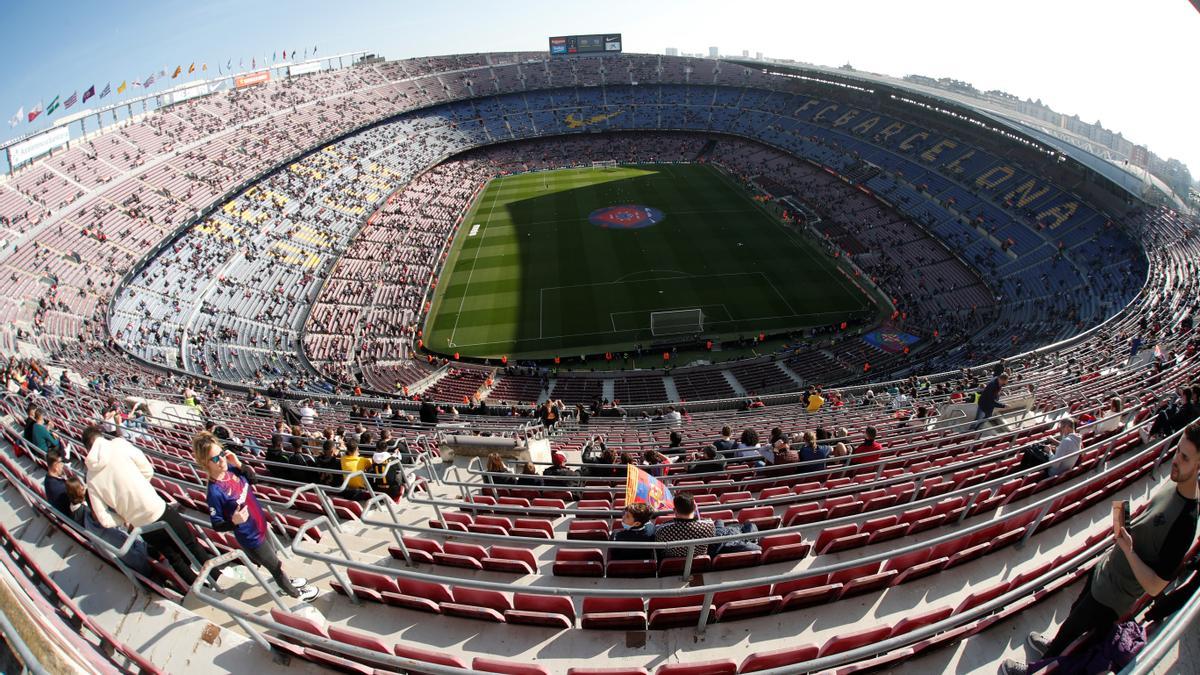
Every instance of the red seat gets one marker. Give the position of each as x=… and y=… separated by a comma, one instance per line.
x=981, y=597
x=553, y=611
x=745, y=602
x=719, y=667
x=477, y=603
x=778, y=658
x=607, y=671
x=674, y=565
x=676, y=612
x=762, y=516
x=336, y=662
x=298, y=622
x=632, y=568
x=840, y=538
x=798, y=593
x=579, y=562
x=454, y=521
x=799, y=514
x=614, y=613
x=854, y=639
x=532, y=527
x=591, y=530
x=363, y=640
x=730, y=561
x=370, y=584
x=781, y=547
x=418, y=654
x=510, y=559
x=929, y=618
x=420, y=549
x=489, y=665
x=542, y=502
x=421, y=595
x=741, y=496
x=460, y=554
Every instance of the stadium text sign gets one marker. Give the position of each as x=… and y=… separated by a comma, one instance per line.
x=304, y=68
x=22, y=152
x=606, y=43
x=251, y=79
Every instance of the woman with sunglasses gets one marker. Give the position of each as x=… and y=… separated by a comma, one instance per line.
x=233, y=506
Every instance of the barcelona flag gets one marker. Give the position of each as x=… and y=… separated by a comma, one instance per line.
x=642, y=487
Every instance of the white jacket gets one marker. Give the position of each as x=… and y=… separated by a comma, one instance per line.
x=118, y=477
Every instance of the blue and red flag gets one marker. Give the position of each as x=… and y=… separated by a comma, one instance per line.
x=641, y=487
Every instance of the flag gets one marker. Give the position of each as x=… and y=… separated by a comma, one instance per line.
x=16, y=119
x=136, y=83
x=285, y=55
x=229, y=64
x=192, y=68
x=35, y=111
x=253, y=63
x=178, y=70
x=306, y=52
x=274, y=54
x=219, y=69
x=71, y=100
x=52, y=107
x=91, y=91
x=204, y=68
x=149, y=81
x=314, y=50
x=241, y=63
x=646, y=489
x=108, y=89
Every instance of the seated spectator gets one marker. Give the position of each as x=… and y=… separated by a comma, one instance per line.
x=676, y=441
x=673, y=417
x=386, y=475
x=497, y=471
x=750, y=450
x=327, y=462
x=1055, y=453
x=636, y=525
x=656, y=463
x=685, y=526
x=301, y=458
x=869, y=450
x=55, y=483
x=1112, y=419
x=529, y=476
x=559, y=475
x=783, y=453
x=810, y=451
x=39, y=432
x=356, y=488
x=815, y=401
x=725, y=442
x=711, y=461
x=600, y=462
x=138, y=556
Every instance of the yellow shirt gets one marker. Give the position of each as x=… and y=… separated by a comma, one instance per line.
x=356, y=464
x=815, y=402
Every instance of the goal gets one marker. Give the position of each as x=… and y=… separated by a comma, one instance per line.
x=677, y=322
x=604, y=164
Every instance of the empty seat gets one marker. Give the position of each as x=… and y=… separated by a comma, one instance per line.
x=592, y=530
x=719, y=667
x=778, y=658
x=418, y=654
x=490, y=665
x=614, y=613
x=781, y=547
x=745, y=602
x=532, y=527
x=579, y=562
x=298, y=622
x=460, y=554
x=510, y=559
x=552, y=611
x=676, y=612
x=762, y=517
x=632, y=568
x=854, y=640
x=477, y=603
x=425, y=596
x=420, y=549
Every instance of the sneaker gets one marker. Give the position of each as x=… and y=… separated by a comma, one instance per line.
x=299, y=582
x=1011, y=667
x=307, y=593
x=1038, y=643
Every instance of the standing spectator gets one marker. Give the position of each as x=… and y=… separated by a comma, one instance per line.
x=1149, y=550
x=308, y=414
x=673, y=417
x=118, y=477
x=137, y=558
x=55, y=483
x=685, y=526
x=232, y=505
x=989, y=400
x=428, y=414
x=636, y=525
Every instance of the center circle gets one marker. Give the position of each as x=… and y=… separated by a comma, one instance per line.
x=626, y=217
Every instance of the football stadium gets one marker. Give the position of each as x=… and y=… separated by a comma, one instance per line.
x=588, y=359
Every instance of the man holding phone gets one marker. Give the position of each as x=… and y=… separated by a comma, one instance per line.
x=1149, y=550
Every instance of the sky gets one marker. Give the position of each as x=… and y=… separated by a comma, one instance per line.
x=1130, y=65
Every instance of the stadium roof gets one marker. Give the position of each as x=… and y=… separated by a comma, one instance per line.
x=1134, y=182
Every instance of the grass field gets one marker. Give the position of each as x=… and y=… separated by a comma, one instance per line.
x=529, y=276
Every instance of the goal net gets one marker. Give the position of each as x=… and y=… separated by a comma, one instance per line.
x=604, y=164
x=676, y=322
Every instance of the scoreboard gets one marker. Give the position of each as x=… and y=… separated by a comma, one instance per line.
x=608, y=43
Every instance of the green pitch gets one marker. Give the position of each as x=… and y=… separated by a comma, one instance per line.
x=529, y=276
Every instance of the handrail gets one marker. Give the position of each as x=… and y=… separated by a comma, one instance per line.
x=1040, y=507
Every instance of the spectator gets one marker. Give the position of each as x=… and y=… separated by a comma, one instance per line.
x=810, y=451
x=1112, y=419
x=1055, y=453
x=676, y=441
x=750, y=450
x=636, y=525
x=386, y=475
x=119, y=487
x=497, y=471
x=232, y=506
x=39, y=432
x=783, y=453
x=136, y=558
x=673, y=417
x=55, y=483
x=308, y=414
x=685, y=526
x=428, y=414
x=302, y=459
x=869, y=450
x=656, y=463
x=989, y=401
x=356, y=487
x=562, y=476
x=815, y=400
x=711, y=461
x=725, y=442
x=1149, y=550
x=529, y=476
x=328, y=462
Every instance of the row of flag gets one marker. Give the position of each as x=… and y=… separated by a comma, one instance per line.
x=38, y=110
